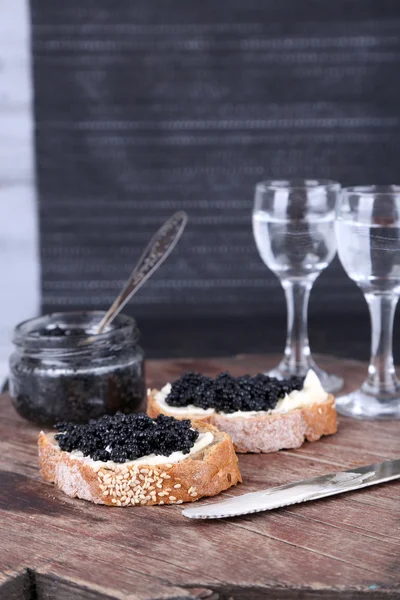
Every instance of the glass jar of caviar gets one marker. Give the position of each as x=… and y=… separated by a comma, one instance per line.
x=61, y=370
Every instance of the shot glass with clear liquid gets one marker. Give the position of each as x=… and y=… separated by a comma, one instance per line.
x=293, y=226
x=368, y=238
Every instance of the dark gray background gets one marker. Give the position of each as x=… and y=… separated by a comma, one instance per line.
x=148, y=106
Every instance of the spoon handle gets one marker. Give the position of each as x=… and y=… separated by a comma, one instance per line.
x=159, y=247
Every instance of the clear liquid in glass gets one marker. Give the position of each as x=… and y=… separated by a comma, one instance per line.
x=297, y=248
x=370, y=255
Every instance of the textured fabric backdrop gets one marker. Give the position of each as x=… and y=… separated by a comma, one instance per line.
x=146, y=107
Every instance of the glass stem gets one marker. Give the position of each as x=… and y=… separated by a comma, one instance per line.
x=297, y=356
x=381, y=372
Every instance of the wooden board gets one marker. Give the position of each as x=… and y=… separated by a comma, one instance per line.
x=54, y=547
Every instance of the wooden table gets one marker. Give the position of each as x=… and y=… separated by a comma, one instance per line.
x=54, y=547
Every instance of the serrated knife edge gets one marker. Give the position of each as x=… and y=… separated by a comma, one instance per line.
x=313, y=489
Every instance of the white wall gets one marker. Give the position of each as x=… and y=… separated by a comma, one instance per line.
x=19, y=264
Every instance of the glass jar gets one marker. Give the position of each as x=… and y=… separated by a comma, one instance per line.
x=58, y=372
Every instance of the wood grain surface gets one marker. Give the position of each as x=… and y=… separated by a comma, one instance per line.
x=54, y=547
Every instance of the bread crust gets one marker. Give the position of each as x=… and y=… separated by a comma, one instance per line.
x=268, y=433
x=207, y=473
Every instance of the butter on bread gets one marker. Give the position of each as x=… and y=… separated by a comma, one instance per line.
x=206, y=473
x=267, y=432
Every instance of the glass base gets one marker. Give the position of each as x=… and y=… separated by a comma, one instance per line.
x=330, y=383
x=361, y=405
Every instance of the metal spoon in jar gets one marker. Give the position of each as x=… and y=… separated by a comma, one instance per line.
x=159, y=247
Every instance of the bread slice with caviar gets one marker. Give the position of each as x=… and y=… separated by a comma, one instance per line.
x=260, y=414
x=130, y=460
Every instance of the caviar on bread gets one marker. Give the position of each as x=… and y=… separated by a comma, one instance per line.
x=130, y=460
x=229, y=394
x=260, y=413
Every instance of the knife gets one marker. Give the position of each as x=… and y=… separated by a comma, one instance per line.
x=301, y=491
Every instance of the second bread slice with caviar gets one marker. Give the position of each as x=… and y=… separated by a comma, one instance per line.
x=111, y=462
x=293, y=411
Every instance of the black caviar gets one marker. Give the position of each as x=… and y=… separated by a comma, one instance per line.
x=54, y=376
x=127, y=437
x=229, y=394
x=58, y=331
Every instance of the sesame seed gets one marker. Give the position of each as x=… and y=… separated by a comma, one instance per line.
x=177, y=486
x=114, y=501
x=167, y=477
x=172, y=498
x=118, y=502
x=168, y=466
x=193, y=494
x=105, y=493
x=161, y=502
x=179, y=501
x=143, y=502
x=100, y=474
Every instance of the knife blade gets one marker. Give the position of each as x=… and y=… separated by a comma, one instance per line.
x=301, y=491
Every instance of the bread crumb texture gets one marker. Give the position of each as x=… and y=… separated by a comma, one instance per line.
x=206, y=473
